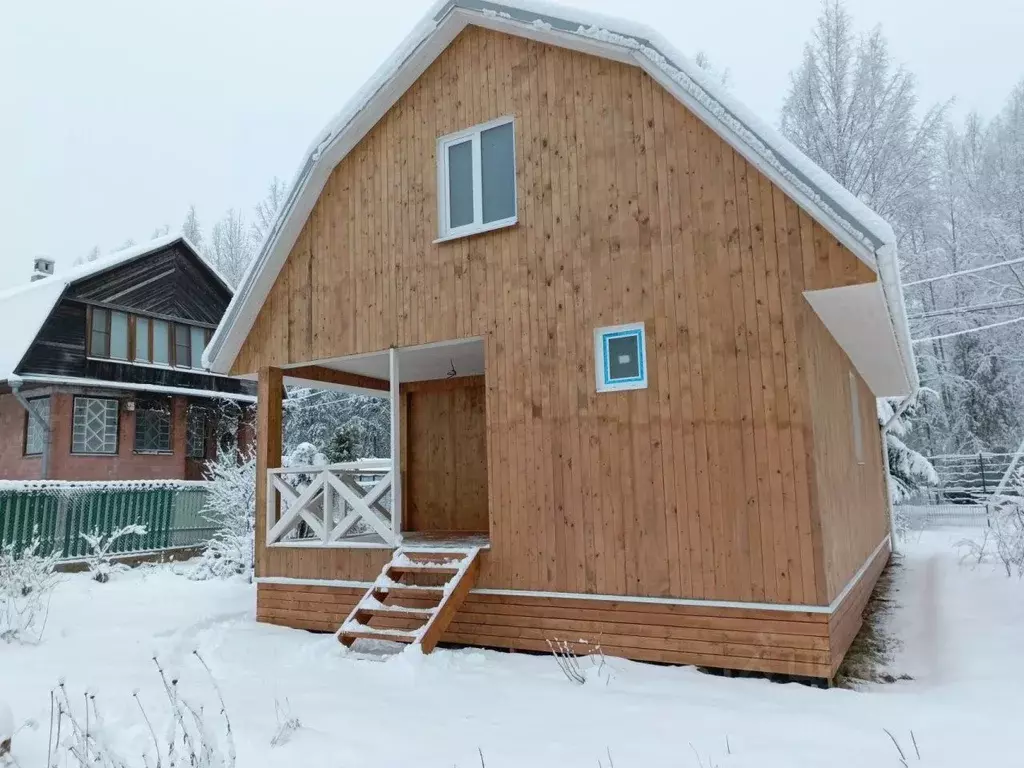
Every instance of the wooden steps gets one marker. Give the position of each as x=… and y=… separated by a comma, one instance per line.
x=380, y=614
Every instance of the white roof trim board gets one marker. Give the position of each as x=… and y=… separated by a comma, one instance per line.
x=847, y=218
x=24, y=309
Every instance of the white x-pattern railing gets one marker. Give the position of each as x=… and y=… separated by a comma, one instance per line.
x=330, y=500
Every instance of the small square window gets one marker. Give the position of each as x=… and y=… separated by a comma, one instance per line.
x=620, y=357
x=476, y=172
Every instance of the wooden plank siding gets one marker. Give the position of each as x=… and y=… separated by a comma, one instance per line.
x=851, y=507
x=791, y=643
x=719, y=480
x=445, y=472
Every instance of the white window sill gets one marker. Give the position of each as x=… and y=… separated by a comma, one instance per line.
x=478, y=230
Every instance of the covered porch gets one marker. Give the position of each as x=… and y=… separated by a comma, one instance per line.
x=431, y=490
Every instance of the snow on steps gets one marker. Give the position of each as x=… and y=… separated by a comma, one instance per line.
x=459, y=567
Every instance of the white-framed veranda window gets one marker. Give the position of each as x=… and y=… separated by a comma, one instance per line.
x=476, y=174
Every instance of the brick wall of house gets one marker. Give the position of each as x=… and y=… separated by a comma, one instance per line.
x=126, y=464
x=14, y=465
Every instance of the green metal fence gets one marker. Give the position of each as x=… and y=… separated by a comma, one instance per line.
x=60, y=512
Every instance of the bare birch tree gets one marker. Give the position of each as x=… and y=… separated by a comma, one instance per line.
x=231, y=246
x=267, y=208
x=191, y=228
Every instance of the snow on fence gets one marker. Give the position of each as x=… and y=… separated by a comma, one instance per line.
x=930, y=516
x=60, y=512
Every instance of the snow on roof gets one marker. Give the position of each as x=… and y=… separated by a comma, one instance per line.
x=868, y=235
x=24, y=309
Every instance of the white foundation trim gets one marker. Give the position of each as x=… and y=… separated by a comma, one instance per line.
x=823, y=609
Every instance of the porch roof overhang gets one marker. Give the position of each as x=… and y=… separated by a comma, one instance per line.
x=861, y=230
x=369, y=373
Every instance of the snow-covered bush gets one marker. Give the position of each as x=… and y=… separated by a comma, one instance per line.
x=6, y=728
x=1004, y=536
x=287, y=724
x=303, y=455
x=100, y=558
x=231, y=506
x=192, y=736
x=27, y=580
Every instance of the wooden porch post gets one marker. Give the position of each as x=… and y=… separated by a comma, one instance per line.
x=269, y=394
x=396, y=446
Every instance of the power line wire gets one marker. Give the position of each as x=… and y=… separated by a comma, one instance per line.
x=960, y=310
x=963, y=272
x=969, y=330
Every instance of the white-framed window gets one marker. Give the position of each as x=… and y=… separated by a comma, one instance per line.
x=35, y=435
x=858, y=432
x=94, y=426
x=620, y=357
x=476, y=177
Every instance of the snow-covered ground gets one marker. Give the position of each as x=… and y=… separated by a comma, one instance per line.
x=961, y=629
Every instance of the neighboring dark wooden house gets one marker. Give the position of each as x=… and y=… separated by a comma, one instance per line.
x=101, y=374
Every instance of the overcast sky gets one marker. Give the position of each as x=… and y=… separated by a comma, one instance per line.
x=115, y=115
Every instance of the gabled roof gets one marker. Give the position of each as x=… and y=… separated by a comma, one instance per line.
x=24, y=309
x=866, y=234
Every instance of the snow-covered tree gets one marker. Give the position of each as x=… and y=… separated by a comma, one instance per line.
x=267, y=208
x=231, y=506
x=978, y=221
x=856, y=115
x=908, y=469
x=191, y=228
x=161, y=231
x=231, y=246
x=128, y=243
x=315, y=416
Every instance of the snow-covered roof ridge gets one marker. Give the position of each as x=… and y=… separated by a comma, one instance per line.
x=31, y=304
x=868, y=235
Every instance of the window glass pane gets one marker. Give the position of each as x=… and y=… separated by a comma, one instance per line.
x=460, y=184
x=153, y=426
x=119, y=335
x=498, y=183
x=142, y=339
x=198, y=345
x=99, y=344
x=94, y=428
x=35, y=435
x=623, y=357
x=182, y=356
x=196, y=442
x=161, y=342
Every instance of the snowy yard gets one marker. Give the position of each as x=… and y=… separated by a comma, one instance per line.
x=961, y=629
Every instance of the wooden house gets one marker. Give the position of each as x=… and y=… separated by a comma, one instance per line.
x=100, y=369
x=632, y=341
